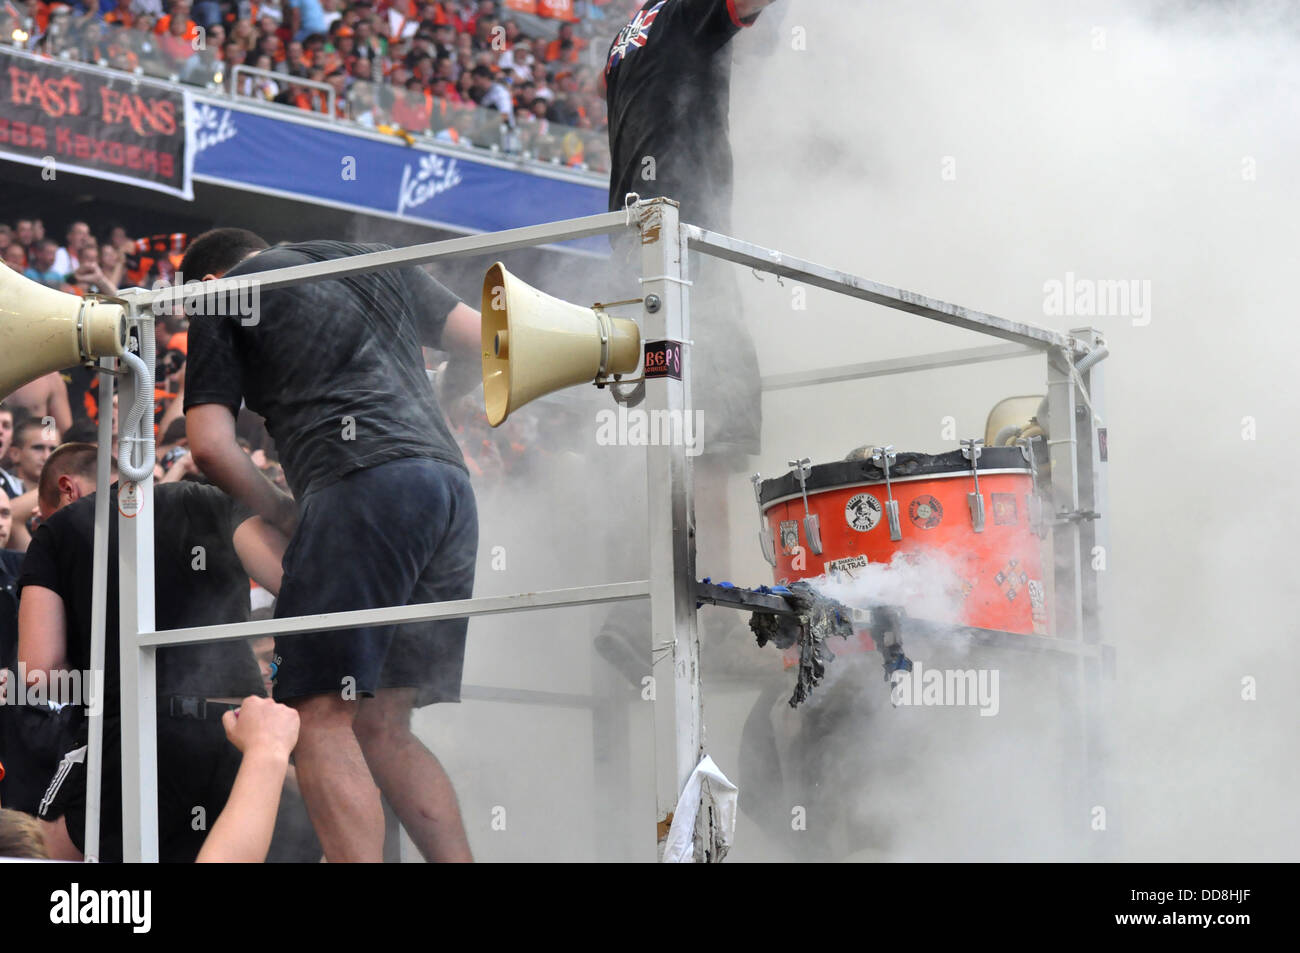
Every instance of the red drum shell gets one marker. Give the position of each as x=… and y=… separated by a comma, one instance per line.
x=1000, y=568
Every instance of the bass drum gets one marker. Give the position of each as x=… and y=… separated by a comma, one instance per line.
x=997, y=562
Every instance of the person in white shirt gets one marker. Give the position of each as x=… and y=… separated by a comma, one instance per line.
x=492, y=94
x=65, y=259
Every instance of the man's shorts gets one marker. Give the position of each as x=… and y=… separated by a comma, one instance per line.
x=401, y=533
x=35, y=738
x=197, y=765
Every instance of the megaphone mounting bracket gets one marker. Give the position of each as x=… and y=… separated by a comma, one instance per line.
x=628, y=397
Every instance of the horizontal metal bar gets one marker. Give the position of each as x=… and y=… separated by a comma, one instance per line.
x=399, y=615
x=528, y=236
x=527, y=696
x=898, y=365
x=778, y=263
x=746, y=600
x=997, y=639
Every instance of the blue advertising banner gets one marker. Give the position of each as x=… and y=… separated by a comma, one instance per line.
x=451, y=189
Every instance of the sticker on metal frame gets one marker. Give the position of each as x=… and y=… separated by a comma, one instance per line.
x=663, y=359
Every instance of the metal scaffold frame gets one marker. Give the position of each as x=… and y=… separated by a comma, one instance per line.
x=1077, y=455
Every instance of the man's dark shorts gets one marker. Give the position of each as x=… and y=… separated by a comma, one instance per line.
x=401, y=533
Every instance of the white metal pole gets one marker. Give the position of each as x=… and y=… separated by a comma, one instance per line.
x=1094, y=546
x=678, y=709
x=99, y=610
x=139, y=690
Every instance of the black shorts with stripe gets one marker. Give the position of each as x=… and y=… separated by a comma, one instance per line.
x=197, y=765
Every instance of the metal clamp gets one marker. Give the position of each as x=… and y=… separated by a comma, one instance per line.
x=971, y=450
x=764, y=534
x=811, y=522
x=1066, y=517
x=1034, y=504
x=883, y=457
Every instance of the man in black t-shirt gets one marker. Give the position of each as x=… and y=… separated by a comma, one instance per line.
x=668, y=86
x=384, y=514
x=668, y=89
x=206, y=547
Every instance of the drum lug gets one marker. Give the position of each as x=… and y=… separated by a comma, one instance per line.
x=1036, y=524
x=971, y=450
x=883, y=457
x=895, y=527
x=812, y=528
x=765, y=540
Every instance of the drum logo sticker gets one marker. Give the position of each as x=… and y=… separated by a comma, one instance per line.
x=1004, y=508
x=789, y=536
x=847, y=564
x=925, y=512
x=863, y=512
x=1012, y=579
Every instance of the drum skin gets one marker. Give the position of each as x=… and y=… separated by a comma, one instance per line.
x=1000, y=568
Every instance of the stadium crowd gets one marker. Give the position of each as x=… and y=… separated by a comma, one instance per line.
x=519, y=76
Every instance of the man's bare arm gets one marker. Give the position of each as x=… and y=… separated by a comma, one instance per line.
x=215, y=447
x=266, y=732
x=22, y=507
x=60, y=409
x=261, y=550
x=42, y=631
x=462, y=339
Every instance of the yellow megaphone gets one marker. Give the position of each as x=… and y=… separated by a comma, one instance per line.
x=534, y=344
x=43, y=330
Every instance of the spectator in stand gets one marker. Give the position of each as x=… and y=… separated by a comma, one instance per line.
x=232, y=55
x=565, y=48
x=89, y=278
x=517, y=62
x=111, y=264
x=33, y=444
x=180, y=11
x=41, y=267
x=174, y=44
x=121, y=15
x=15, y=258
x=25, y=235
x=293, y=62
x=245, y=34
x=10, y=485
x=65, y=260
x=543, y=80
x=490, y=94
x=195, y=682
x=307, y=17
x=333, y=10
x=444, y=40
x=369, y=45
x=6, y=237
